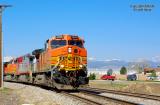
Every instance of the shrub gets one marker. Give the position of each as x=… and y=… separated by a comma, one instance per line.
x=92, y=76
x=153, y=74
x=123, y=70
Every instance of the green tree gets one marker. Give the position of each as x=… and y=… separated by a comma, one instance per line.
x=153, y=74
x=109, y=72
x=123, y=70
x=92, y=76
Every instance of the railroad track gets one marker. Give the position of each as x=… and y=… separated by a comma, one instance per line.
x=137, y=95
x=103, y=100
x=98, y=98
x=91, y=98
x=87, y=101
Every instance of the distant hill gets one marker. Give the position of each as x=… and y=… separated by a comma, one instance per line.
x=106, y=64
x=117, y=64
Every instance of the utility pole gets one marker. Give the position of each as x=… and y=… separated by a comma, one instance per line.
x=2, y=7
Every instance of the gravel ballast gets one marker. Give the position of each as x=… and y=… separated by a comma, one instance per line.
x=19, y=94
x=27, y=94
x=140, y=101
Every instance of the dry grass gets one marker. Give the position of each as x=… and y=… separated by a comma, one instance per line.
x=130, y=86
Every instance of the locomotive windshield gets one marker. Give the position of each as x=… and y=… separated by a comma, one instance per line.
x=58, y=43
x=76, y=43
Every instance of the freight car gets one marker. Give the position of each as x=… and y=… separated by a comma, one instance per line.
x=61, y=64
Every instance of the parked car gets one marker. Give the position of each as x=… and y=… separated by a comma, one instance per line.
x=108, y=77
x=132, y=77
x=151, y=78
x=158, y=78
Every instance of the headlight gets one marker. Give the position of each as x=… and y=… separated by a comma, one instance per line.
x=80, y=66
x=61, y=66
x=69, y=50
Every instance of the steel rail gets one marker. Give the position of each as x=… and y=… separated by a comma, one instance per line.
x=114, y=100
x=85, y=100
x=137, y=95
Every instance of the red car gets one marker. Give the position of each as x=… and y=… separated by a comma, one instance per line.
x=108, y=77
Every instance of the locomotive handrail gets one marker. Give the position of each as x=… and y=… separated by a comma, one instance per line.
x=55, y=67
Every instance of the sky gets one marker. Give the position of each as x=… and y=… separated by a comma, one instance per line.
x=111, y=28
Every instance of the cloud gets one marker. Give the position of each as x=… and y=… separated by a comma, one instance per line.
x=112, y=60
x=7, y=58
x=156, y=59
x=141, y=60
x=91, y=58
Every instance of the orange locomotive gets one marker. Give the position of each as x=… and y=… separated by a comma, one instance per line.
x=10, y=68
x=61, y=64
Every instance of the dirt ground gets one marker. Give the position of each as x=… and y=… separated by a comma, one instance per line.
x=130, y=86
x=20, y=94
x=8, y=97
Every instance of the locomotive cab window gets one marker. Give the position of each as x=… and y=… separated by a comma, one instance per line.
x=76, y=43
x=58, y=43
